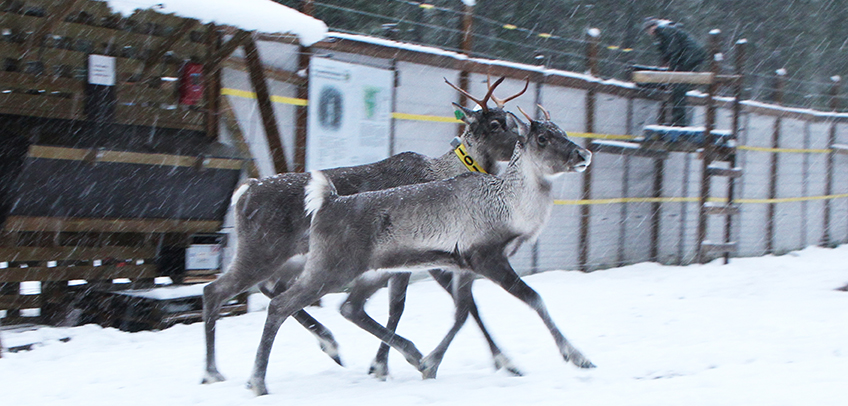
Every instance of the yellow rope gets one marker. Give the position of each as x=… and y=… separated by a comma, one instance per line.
x=424, y=117
x=275, y=99
x=694, y=200
x=785, y=150
x=444, y=119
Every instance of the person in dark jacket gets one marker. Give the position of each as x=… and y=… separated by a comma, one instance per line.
x=678, y=52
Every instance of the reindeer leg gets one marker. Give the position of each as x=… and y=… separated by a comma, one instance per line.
x=276, y=285
x=353, y=309
x=323, y=334
x=280, y=308
x=462, y=296
x=492, y=264
x=231, y=283
x=398, y=283
x=501, y=360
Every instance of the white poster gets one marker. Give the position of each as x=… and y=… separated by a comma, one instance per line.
x=203, y=256
x=101, y=70
x=349, y=114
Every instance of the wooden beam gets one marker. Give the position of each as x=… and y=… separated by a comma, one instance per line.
x=301, y=112
x=212, y=84
x=586, y=191
x=266, y=109
x=75, y=224
x=44, y=274
x=164, y=46
x=19, y=301
x=656, y=209
x=72, y=253
x=829, y=165
x=139, y=158
x=694, y=78
x=54, y=17
x=626, y=148
x=227, y=48
x=771, y=209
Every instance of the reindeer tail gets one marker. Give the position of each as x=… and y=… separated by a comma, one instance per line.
x=240, y=191
x=318, y=191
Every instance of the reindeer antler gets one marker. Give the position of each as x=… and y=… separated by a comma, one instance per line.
x=481, y=102
x=525, y=113
x=547, y=115
x=502, y=102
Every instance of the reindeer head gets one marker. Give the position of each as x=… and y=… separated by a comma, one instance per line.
x=491, y=132
x=550, y=147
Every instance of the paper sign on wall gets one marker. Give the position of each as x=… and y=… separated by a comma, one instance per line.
x=101, y=70
x=349, y=114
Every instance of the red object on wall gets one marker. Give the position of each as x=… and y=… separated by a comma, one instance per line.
x=191, y=84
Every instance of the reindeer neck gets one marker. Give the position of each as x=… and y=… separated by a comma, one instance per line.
x=525, y=182
x=449, y=165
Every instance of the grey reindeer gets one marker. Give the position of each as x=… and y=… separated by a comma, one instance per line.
x=273, y=230
x=468, y=224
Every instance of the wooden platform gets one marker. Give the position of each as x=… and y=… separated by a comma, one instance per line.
x=157, y=308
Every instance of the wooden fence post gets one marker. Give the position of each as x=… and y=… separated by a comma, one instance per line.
x=465, y=47
x=585, y=209
x=301, y=112
x=780, y=78
x=831, y=139
x=212, y=84
x=625, y=181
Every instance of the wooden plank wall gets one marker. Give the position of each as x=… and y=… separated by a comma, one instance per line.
x=44, y=48
x=47, y=80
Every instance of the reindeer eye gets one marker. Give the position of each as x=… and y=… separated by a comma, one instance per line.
x=494, y=125
x=542, y=139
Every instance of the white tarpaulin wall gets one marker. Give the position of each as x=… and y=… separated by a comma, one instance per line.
x=618, y=232
x=349, y=114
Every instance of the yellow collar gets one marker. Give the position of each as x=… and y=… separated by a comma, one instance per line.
x=466, y=159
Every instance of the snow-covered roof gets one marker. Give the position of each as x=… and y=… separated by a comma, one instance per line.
x=261, y=15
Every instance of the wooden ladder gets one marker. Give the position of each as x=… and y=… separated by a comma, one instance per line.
x=718, y=159
x=713, y=155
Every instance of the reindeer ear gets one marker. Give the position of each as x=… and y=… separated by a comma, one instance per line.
x=512, y=121
x=464, y=114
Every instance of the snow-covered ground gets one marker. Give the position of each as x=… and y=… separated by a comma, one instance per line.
x=760, y=331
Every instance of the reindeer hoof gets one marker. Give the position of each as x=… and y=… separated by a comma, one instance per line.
x=379, y=369
x=502, y=362
x=415, y=359
x=257, y=387
x=579, y=360
x=429, y=368
x=212, y=377
x=331, y=348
